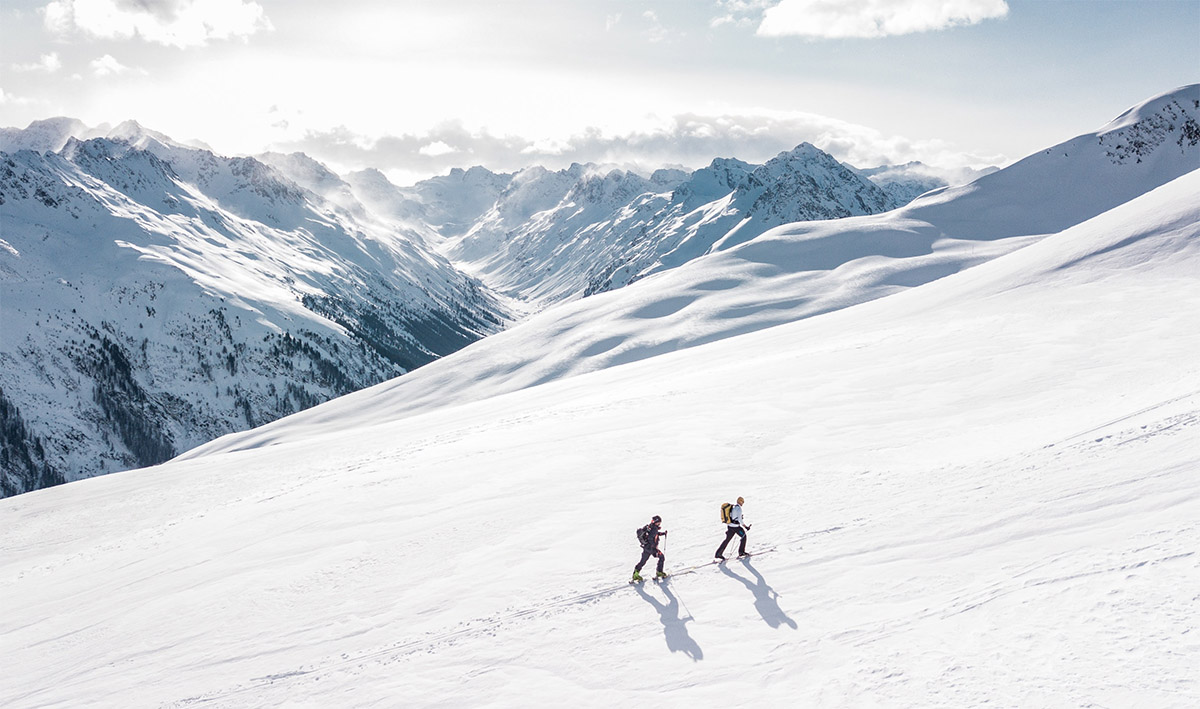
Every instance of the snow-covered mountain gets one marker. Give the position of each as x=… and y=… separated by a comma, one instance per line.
x=344, y=271
x=53, y=134
x=156, y=296
x=162, y=295
x=911, y=180
x=50, y=134
x=543, y=236
x=975, y=491
x=553, y=236
x=1144, y=147
x=795, y=271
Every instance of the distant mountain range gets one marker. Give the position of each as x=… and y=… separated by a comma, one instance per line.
x=543, y=236
x=967, y=433
x=157, y=296
x=551, y=236
x=791, y=272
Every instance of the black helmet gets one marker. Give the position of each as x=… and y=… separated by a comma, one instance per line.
x=656, y=519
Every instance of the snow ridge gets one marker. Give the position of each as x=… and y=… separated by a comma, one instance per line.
x=158, y=296
x=791, y=272
x=579, y=232
x=981, y=489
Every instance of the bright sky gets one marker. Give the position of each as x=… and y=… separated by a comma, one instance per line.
x=415, y=88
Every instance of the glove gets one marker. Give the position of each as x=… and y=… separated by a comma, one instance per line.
x=747, y=526
x=664, y=533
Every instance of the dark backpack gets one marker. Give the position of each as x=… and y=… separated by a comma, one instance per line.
x=644, y=536
x=727, y=513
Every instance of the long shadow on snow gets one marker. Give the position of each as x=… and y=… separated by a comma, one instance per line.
x=674, y=627
x=766, y=601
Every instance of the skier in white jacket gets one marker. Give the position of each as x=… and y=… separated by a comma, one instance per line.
x=734, y=526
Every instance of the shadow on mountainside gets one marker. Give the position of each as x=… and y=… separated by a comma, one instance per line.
x=674, y=627
x=766, y=601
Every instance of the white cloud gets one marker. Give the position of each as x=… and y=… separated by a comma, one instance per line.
x=836, y=19
x=741, y=13
x=178, y=23
x=690, y=140
x=107, y=65
x=48, y=63
x=436, y=148
x=7, y=99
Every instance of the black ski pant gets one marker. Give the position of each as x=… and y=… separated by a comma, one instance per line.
x=647, y=552
x=729, y=535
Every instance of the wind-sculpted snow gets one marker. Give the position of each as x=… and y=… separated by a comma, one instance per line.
x=156, y=296
x=49, y=135
x=979, y=491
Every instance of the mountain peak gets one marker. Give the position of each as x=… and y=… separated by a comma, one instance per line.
x=1183, y=100
x=302, y=169
x=805, y=152
x=46, y=135
x=139, y=136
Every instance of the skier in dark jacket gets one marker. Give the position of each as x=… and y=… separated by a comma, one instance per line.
x=648, y=536
x=735, y=526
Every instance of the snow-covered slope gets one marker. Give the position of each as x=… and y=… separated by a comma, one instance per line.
x=555, y=236
x=1148, y=145
x=158, y=184
x=978, y=491
x=789, y=273
x=343, y=272
x=453, y=202
x=156, y=296
x=911, y=180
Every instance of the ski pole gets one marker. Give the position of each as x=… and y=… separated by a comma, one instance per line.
x=684, y=606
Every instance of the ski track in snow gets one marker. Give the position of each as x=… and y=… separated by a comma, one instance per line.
x=480, y=626
x=861, y=646
x=1054, y=575
x=1018, y=586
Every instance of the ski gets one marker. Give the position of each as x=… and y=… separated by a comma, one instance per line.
x=743, y=556
x=714, y=562
x=697, y=567
x=659, y=579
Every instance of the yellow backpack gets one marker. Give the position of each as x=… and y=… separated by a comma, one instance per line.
x=727, y=513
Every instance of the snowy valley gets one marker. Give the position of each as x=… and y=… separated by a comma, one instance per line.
x=795, y=271
x=967, y=430
x=158, y=296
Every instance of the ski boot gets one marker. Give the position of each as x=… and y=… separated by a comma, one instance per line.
x=660, y=575
x=637, y=576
